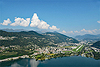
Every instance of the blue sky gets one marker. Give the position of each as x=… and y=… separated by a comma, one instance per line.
x=70, y=17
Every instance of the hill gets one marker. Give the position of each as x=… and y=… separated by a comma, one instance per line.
x=96, y=44
x=58, y=37
x=33, y=38
x=19, y=34
x=13, y=30
x=88, y=37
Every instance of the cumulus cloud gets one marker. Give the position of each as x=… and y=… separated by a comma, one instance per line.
x=36, y=22
x=98, y=21
x=21, y=22
x=17, y=22
x=6, y=22
x=63, y=31
x=87, y=31
x=95, y=30
x=84, y=31
x=43, y=25
x=81, y=32
x=54, y=28
x=70, y=32
x=76, y=31
x=25, y=23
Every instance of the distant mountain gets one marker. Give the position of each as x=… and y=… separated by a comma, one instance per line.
x=41, y=32
x=88, y=37
x=96, y=44
x=13, y=30
x=32, y=37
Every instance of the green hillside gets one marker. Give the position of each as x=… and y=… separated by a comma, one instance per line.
x=58, y=38
x=96, y=44
x=33, y=38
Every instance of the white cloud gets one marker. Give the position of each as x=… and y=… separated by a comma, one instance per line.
x=83, y=30
x=21, y=22
x=98, y=21
x=70, y=32
x=63, y=31
x=54, y=28
x=43, y=25
x=6, y=22
x=87, y=31
x=17, y=22
x=25, y=23
x=95, y=30
x=76, y=31
x=90, y=31
x=35, y=22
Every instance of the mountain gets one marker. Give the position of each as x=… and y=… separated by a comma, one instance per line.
x=20, y=34
x=32, y=37
x=58, y=37
x=96, y=44
x=88, y=37
x=13, y=30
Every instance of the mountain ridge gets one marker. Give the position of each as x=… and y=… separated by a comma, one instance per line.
x=88, y=37
x=32, y=37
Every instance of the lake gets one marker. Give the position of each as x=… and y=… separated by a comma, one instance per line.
x=72, y=61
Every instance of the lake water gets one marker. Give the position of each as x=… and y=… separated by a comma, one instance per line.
x=73, y=61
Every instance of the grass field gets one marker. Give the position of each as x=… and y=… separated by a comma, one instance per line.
x=78, y=49
x=67, y=46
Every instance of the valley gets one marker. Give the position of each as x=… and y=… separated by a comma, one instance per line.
x=43, y=46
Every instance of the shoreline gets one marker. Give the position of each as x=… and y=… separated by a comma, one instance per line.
x=8, y=59
x=24, y=56
x=14, y=58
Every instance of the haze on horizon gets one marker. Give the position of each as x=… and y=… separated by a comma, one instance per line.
x=69, y=17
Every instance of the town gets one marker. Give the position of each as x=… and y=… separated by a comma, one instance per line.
x=59, y=50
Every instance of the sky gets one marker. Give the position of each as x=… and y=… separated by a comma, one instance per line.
x=69, y=17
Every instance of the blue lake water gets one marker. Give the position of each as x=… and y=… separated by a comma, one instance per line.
x=73, y=61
